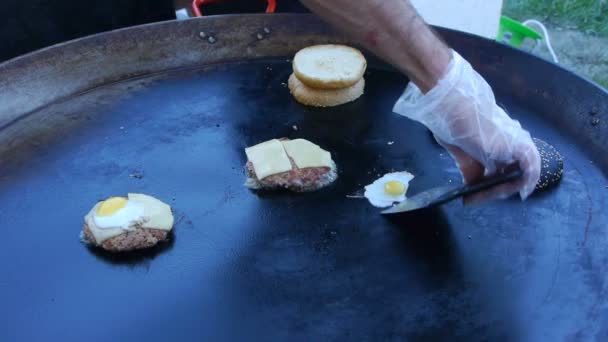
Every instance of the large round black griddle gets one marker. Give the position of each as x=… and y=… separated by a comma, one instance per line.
x=166, y=109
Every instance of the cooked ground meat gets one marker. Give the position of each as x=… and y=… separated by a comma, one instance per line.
x=130, y=240
x=298, y=180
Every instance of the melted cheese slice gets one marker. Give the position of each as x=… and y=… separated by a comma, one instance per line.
x=306, y=154
x=268, y=158
x=157, y=215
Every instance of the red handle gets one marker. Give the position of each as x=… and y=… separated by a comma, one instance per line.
x=196, y=6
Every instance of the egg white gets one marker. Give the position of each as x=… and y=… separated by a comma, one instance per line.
x=378, y=197
x=124, y=218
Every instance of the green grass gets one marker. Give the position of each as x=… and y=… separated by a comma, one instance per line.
x=601, y=80
x=590, y=16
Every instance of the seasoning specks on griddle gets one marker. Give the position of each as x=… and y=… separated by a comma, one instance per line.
x=136, y=174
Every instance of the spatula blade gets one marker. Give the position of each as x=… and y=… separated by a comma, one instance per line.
x=419, y=201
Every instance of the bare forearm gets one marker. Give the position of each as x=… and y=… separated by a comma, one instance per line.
x=394, y=31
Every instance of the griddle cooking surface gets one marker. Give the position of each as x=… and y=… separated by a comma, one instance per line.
x=284, y=266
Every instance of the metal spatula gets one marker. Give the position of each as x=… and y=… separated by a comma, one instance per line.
x=444, y=194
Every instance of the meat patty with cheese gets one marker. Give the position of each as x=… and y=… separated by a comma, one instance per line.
x=120, y=224
x=297, y=165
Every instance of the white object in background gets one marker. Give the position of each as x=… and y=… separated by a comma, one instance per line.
x=480, y=17
x=182, y=14
x=546, y=38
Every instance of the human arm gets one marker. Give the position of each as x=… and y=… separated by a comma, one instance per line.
x=394, y=31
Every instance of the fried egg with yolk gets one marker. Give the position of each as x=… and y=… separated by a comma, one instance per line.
x=388, y=189
x=118, y=212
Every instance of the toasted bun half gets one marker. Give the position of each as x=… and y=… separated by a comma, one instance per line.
x=329, y=66
x=324, y=97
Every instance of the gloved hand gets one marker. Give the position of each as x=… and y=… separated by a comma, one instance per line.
x=463, y=115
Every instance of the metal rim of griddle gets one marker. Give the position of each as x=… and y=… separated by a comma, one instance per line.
x=32, y=81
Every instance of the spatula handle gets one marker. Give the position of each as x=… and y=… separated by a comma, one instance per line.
x=479, y=187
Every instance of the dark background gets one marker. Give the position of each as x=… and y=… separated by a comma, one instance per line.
x=29, y=25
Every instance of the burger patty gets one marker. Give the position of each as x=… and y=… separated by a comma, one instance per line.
x=130, y=240
x=298, y=180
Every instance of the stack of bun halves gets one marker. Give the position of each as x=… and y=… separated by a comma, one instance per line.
x=327, y=75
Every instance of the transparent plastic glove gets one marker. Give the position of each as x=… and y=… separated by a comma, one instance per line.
x=463, y=115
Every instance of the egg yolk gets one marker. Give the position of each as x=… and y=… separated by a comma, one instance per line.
x=394, y=188
x=110, y=206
